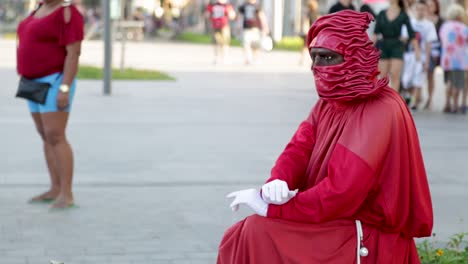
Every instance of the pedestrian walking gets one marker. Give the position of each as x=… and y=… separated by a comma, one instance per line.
x=454, y=39
x=219, y=14
x=415, y=70
x=391, y=42
x=254, y=29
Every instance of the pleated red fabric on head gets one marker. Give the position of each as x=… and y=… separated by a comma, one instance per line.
x=357, y=77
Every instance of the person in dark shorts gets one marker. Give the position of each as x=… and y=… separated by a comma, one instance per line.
x=388, y=35
x=254, y=28
x=454, y=39
x=342, y=5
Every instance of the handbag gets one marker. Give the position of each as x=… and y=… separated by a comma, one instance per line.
x=34, y=91
x=266, y=43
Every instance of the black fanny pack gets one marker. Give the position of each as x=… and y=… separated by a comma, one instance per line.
x=34, y=91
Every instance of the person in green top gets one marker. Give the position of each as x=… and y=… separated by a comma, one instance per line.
x=388, y=35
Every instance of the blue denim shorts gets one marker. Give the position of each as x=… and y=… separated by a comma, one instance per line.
x=50, y=105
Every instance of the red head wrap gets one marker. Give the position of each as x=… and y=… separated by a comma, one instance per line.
x=356, y=78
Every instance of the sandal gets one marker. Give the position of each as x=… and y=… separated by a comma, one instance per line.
x=58, y=209
x=41, y=200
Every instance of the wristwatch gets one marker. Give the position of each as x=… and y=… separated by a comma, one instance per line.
x=64, y=88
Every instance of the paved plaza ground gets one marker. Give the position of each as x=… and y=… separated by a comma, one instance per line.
x=155, y=160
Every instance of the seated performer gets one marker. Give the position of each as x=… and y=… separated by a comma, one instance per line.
x=351, y=185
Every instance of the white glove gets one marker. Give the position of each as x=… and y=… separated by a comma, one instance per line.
x=251, y=198
x=277, y=192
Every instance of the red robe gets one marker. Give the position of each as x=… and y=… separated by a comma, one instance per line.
x=356, y=157
x=362, y=162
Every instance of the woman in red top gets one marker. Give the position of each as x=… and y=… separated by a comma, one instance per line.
x=49, y=45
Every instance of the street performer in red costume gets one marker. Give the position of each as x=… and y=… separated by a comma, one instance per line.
x=351, y=186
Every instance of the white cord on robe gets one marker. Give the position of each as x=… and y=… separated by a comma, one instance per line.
x=361, y=250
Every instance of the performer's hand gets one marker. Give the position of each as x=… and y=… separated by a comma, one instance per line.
x=251, y=198
x=277, y=192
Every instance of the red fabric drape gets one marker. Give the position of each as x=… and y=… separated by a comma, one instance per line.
x=356, y=157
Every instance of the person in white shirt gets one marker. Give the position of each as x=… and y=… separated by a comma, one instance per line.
x=415, y=71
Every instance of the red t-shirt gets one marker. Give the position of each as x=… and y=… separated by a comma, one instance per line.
x=219, y=14
x=42, y=42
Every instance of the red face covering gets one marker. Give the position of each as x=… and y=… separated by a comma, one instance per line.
x=356, y=78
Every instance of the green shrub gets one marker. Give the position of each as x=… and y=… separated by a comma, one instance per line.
x=455, y=252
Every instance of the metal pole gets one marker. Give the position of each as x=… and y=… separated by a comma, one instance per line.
x=123, y=31
x=298, y=16
x=107, y=48
x=278, y=13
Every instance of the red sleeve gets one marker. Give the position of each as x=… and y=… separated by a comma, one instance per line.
x=339, y=195
x=73, y=31
x=209, y=9
x=292, y=164
x=352, y=172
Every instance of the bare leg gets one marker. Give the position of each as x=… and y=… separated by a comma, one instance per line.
x=304, y=54
x=225, y=45
x=54, y=190
x=455, y=96
x=220, y=53
x=255, y=52
x=417, y=96
x=430, y=89
x=465, y=94
x=215, y=49
x=248, y=54
x=224, y=52
x=448, y=98
x=395, y=72
x=384, y=68
x=54, y=127
x=247, y=49
x=216, y=46
x=410, y=97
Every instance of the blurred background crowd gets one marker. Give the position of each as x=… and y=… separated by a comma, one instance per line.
x=286, y=17
x=284, y=21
